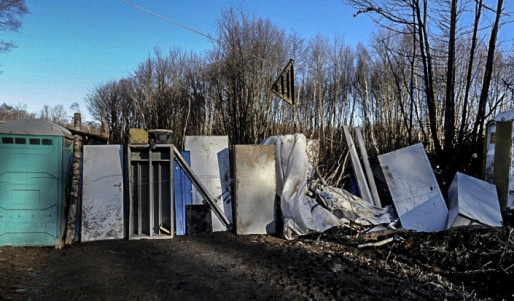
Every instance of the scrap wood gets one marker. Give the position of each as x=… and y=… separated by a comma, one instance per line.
x=357, y=168
x=378, y=234
x=376, y=244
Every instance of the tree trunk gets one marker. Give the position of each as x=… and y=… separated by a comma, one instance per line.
x=479, y=122
x=449, y=111
x=469, y=79
x=426, y=59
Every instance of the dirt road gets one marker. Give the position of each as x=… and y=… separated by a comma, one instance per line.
x=463, y=264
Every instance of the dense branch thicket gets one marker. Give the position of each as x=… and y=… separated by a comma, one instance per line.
x=421, y=80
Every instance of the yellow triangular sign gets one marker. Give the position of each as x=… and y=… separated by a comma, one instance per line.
x=283, y=87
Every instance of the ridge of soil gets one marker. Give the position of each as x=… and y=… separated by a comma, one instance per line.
x=466, y=263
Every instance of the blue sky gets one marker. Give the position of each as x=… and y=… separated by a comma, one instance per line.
x=67, y=48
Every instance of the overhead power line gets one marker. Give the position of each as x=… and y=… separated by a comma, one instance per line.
x=169, y=20
x=290, y=86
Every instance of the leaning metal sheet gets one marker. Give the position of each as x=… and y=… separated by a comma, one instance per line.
x=414, y=189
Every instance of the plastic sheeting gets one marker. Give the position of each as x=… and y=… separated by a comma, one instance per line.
x=301, y=214
x=354, y=209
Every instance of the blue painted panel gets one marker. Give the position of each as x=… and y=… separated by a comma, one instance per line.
x=183, y=194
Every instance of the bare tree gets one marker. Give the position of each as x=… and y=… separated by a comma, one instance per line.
x=424, y=75
x=449, y=112
x=244, y=64
x=437, y=23
x=478, y=127
x=469, y=72
x=104, y=104
x=10, y=113
x=11, y=12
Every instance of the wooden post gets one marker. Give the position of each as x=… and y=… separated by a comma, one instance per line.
x=75, y=183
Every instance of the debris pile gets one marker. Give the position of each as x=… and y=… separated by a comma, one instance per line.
x=309, y=205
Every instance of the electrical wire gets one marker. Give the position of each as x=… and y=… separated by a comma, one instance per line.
x=169, y=20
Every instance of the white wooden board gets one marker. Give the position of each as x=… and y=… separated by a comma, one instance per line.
x=473, y=199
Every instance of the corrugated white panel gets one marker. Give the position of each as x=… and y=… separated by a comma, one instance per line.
x=210, y=163
x=102, y=193
x=414, y=189
x=255, y=189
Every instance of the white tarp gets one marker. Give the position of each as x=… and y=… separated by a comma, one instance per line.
x=474, y=199
x=354, y=209
x=301, y=214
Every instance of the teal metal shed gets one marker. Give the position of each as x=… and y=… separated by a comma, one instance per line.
x=35, y=164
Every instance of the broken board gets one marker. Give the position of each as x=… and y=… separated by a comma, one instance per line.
x=182, y=190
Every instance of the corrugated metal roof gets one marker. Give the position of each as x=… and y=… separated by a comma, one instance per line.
x=34, y=127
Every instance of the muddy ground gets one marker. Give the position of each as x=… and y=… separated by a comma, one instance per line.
x=459, y=264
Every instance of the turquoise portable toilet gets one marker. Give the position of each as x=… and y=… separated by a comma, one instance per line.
x=35, y=164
